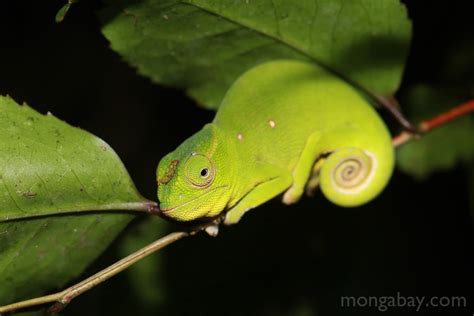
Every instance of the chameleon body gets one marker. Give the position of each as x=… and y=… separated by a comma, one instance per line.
x=283, y=128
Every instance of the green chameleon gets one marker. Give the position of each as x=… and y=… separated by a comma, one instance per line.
x=284, y=127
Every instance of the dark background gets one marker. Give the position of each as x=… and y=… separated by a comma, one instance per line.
x=415, y=239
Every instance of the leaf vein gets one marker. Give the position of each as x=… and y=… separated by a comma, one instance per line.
x=11, y=196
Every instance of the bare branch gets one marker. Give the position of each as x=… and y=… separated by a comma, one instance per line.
x=435, y=122
x=61, y=299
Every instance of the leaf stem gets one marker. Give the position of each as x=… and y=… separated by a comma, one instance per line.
x=435, y=122
x=146, y=206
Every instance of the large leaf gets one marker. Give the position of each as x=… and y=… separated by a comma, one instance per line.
x=50, y=174
x=203, y=45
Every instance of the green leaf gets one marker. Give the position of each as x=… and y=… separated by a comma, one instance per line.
x=442, y=148
x=50, y=174
x=61, y=14
x=203, y=45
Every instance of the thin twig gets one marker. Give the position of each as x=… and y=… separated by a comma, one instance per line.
x=393, y=107
x=437, y=121
x=61, y=299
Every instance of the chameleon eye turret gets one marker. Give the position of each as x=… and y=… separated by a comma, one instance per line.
x=199, y=170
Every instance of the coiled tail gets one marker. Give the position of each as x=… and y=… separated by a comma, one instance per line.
x=351, y=176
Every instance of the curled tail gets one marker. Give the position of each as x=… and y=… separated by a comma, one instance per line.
x=350, y=176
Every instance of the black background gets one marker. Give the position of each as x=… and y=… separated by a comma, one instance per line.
x=415, y=239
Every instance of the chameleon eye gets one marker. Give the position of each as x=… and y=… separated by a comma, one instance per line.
x=205, y=173
x=199, y=171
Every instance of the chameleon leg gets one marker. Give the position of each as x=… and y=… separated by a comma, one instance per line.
x=303, y=169
x=313, y=182
x=259, y=195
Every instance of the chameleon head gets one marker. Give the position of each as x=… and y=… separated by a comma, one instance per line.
x=194, y=180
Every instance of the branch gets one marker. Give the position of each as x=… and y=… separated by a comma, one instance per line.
x=61, y=299
x=435, y=122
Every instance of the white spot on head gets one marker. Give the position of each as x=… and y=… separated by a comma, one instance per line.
x=240, y=136
x=271, y=123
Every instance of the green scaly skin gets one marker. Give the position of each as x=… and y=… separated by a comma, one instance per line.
x=283, y=127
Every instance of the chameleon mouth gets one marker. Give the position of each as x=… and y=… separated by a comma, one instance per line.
x=169, y=210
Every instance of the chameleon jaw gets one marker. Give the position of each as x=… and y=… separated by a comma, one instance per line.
x=167, y=211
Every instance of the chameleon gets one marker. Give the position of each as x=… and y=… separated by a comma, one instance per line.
x=283, y=128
